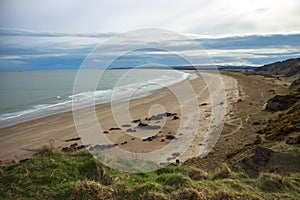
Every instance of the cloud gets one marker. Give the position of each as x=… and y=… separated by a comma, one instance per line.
x=215, y=17
x=29, y=50
x=229, y=17
x=19, y=32
x=59, y=34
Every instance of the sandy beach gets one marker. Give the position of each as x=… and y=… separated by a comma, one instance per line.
x=22, y=140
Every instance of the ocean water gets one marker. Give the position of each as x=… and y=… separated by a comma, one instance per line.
x=29, y=95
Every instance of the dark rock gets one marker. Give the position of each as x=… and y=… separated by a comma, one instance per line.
x=24, y=160
x=239, y=100
x=272, y=106
x=141, y=124
x=177, y=161
x=175, y=117
x=162, y=140
x=114, y=129
x=156, y=117
x=203, y=104
x=130, y=130
x=170, y=137
x=152, y=127
x=261, y=155
x=163, y=114
x=72, y=139
x=282, y=102
x=102, y=147
x=256, y=123
x=136, y=121
x=73, y=145
x=65, y=149
x=168, y=114
x=176, y=154
x=125, y=142
x=160, y=116
x=80, y=147
x=148, y=139
x=126, y=125
x=149, y=127
x=105, y=132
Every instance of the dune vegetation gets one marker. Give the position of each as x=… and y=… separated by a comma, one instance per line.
x=53, y=174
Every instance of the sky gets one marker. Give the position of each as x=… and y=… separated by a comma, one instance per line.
x=214, y=17
x=59, y=34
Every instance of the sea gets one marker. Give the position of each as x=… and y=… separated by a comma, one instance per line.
x=29, y=95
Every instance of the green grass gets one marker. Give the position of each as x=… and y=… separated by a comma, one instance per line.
x=54, y=174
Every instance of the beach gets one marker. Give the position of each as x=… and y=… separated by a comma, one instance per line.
x=21, y=141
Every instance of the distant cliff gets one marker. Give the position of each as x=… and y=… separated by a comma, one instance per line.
x=288, y=67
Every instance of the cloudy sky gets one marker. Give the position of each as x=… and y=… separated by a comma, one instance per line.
x=214, y=17
x=36, y=34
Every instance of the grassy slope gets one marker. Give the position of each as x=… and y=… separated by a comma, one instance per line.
x=53, y=174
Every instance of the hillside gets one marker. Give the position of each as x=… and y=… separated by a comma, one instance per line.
x=287, y=68
x=53, y=174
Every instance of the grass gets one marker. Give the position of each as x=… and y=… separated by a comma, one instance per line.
x=53, y=174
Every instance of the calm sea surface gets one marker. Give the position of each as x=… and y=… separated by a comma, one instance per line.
x=29, y=95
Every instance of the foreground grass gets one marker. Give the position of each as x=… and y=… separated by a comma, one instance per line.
x=54, y=174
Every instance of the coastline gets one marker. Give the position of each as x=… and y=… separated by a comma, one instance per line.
x=63, y=101
x=22, y=140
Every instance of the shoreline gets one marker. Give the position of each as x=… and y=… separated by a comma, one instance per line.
x=21, y=141
x=32, y=113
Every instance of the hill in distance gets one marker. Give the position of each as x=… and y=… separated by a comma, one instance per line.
x=287, y=68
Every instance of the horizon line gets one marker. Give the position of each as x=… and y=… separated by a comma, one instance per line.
x=26, y=32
